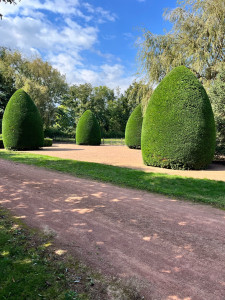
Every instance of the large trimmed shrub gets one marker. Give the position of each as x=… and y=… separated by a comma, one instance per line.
x=22, y=127
x=88, y=130
x=178, y=128
x=133, y=129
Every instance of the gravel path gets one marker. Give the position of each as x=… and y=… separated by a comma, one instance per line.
x=124, y=157
x=171, y=249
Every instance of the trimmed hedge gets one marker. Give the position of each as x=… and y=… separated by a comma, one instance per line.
x=88, y=131
x=22, y=127
x=178, y=128
x=133, y=129
x=47, y=142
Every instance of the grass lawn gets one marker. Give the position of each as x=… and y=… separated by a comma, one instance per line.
x=197, y=190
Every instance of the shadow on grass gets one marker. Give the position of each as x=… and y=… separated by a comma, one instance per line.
x=197, y=190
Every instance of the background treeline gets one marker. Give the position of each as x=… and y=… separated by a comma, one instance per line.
x=62, y=105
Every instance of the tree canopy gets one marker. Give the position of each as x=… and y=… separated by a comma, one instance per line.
x=196, y=40
x=217, y=97
x=39, y=79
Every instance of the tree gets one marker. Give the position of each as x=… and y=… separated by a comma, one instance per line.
x=197, y=40
x=85, y=97
x=138, y=92
x=45, y=85
x=217, y=97
x=64, y=120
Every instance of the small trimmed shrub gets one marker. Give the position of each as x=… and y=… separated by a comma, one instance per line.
x=178, y=128
x=22, y=127
x=133, y=129
x=88, y=130
x=1, y=144
x=47, y=142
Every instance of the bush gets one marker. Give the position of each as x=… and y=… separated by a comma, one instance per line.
x=56, y=133
x=22, y=127
x=1, y=144
x=47, y=142
x=178, y=127
x=133, y=129
x=88, y=130
x=217, y=98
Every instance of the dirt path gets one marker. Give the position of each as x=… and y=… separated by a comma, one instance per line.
x=174, y=249
x=124, y=157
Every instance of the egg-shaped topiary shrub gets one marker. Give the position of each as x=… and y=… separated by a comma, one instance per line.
x=88, y=130
x=178, y=127
x=133, y=129
x=22, y=127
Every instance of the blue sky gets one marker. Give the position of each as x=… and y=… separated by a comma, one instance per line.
x=88, y=41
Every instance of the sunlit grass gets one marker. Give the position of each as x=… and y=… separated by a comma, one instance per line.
x=197, y=190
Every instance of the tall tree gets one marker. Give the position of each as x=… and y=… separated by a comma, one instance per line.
x=217, y=97
x=138, y=92
x=197, y=40
x=39, y=79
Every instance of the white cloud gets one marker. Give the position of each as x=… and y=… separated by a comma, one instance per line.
x=27, y=27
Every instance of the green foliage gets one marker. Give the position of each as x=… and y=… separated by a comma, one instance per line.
x=217, y=97
x=133, y=129
x=195, y=40
x=46, y=86
x=22, y=127
x=178, y=127
x=47, y=142
x=88, y=130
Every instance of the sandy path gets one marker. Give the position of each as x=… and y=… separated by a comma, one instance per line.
x=124, y=157
x=175, y=249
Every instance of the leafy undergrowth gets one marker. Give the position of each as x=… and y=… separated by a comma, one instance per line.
x=198, y=190
x=32, y=267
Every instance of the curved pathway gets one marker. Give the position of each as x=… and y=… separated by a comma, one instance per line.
x=170, y=249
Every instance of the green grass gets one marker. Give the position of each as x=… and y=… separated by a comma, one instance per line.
x=28, y=269
x=197, y=190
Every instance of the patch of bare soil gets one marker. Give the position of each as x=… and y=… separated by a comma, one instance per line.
x=124, y=157
x=170, y=249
